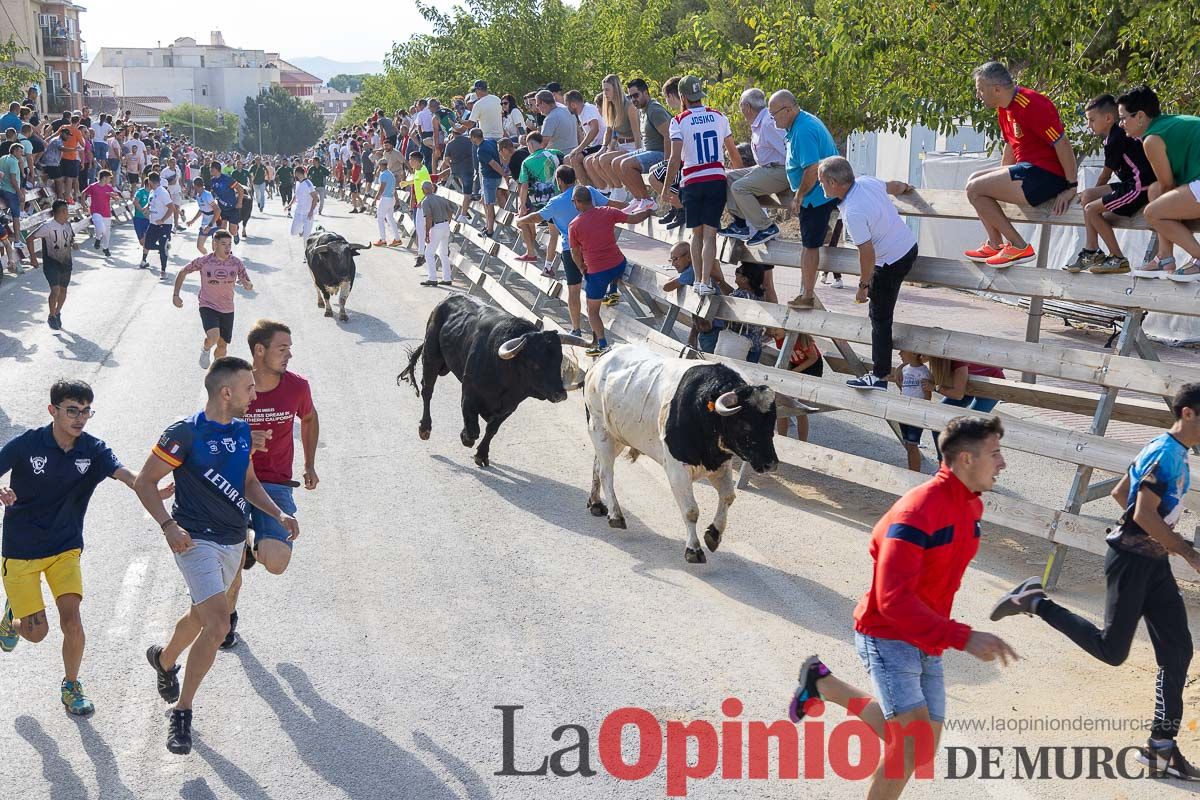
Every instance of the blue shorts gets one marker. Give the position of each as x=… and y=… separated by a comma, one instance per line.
x=904, y=678
x=266, y=527
x=647, y=158
x=595, y=284
x=1037, y=184
x=466, y=182
x=814, y=224
x=140, y=224
x=490, y=187
x=13, y=201
x=910, y=433
x=708, y=340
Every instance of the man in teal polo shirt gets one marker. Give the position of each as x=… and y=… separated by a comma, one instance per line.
x=809, y=141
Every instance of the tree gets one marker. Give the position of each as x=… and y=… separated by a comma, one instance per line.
x=346, y=83
x=289, y=125
x=211, y=134
x=15, y=78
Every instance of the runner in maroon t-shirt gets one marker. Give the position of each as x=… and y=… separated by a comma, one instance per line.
x=282, y=397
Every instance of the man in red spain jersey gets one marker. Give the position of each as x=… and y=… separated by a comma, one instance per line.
x=698, y=135
x=921, y=548
x=281, y=397
x=1038, y=165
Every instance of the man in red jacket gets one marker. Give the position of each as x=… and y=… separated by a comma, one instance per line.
x=921, y=548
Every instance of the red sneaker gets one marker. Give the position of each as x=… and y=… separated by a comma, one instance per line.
x=983, y=252
x=1011, y=255
x=528, y=259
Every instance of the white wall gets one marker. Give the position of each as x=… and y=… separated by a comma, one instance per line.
x=226, y=88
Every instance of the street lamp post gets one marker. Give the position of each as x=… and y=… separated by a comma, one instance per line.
x=260, y=141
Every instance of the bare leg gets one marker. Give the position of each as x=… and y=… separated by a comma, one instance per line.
x=274, y=555
x=573, y=305
x=221, y=348
x=213, y=616
x=986, y=193
x=73, y=638
x=1167, y=214
x=593, y=312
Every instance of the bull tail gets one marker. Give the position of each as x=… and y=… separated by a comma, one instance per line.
x=410, y=372
x=633, y=455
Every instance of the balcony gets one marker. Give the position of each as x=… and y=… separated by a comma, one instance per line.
x=59, y=45
x=58, y=102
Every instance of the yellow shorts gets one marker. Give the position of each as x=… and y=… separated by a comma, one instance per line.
x=23, y=584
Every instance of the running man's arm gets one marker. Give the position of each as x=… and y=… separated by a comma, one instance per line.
x=145, y=485
x=128, y=477
x=1145, y=514
x=259, y=498
x=179, y=279
x=310, y=432
x=244, y=279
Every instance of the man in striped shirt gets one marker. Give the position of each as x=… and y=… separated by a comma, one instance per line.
x=697, y=135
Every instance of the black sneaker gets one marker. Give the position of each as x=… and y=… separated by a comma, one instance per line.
x=811, y=671
x=669, y=217
x=106, y=253
x=1167, y=762
x=1019, y=600
x=144, y=265
x=168, y=680
x=248, y=559
x=237, y=239
x=179, y=732
x=96, y=244
x=232, y=639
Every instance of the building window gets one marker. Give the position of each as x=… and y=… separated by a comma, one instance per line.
x=202, y=62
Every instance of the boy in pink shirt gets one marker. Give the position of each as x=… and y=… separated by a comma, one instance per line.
x=97, y=200
x=219, y=271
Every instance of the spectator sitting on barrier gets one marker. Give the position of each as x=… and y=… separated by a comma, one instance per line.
x=809, y=141
x=1038, y=165
x=768, y=176
x=656, y=122
x=621, y=137
x=805, y=358
x=703, y=335
x=593, y=127
x=887, y=249
x=1125, y=158
x=675, y=215
x=1172, y=144
x=913, y=377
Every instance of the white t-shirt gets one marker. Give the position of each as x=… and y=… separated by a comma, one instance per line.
x=166, y=174
x=304, y=196
x=513, y=122
x=703, y=132
x=911, y=377
x=346, y=152
x=424, y=120
x=333, y=151
x=102, y=130
x=869, y=216
x=485, y=113
x=159, y=202
x=588, y=113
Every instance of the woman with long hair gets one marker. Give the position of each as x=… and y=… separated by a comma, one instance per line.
x=511, y=117
x=623, y=135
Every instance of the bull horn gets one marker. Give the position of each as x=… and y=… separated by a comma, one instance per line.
x=573, y=341
x=321, y=248
x=359, y=246
x=509, y=349
x=722, y=406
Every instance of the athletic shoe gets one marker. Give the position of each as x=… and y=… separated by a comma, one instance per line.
x=420, y=261
x=168, y=680
x=528, y=258
x=428, y=283
x=179, y=732
x=52, y=321
x=736, y=231
x=1167, y=762
x=611, y=299
x=669, y=217
x=394, y=243
x=237, y=239
x=1113, y=265
x=248, y=559
x=764, y=236
x=577, y=332
x=867, y=381
x=837, y=283
x=445, y=283
x=548, y=271
x=75, y=701
x=379, y=243
x=162, y=274
x=811, y=671
x=462, y=218
x=106, y=253
x=231, y=639
x=144, y=265
x=800, y=301
x=1085, y=259
x=1011, y=255
x=205, y=359
x=595, y=351
x=983, y=252
x=180, y=229
x=824, y=277
x=96, y=244
x=1019, y=600
x=704, y=289
x=8, y=631
x=676, y=222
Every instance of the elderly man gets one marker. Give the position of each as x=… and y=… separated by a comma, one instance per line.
x=437, y=211
x=560, y=131
x=768, y=176
x=887, y=249
x=703, y=335
x=809, y=141
x=1038, y=165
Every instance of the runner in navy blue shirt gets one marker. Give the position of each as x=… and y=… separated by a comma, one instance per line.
x=54, y=470
x=229, y=194
x=209, y=453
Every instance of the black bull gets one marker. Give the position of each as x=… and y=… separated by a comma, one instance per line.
x=330, y=259
x=499, y=359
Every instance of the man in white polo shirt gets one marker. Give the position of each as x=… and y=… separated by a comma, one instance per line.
x=887, y=249
x=485, y=111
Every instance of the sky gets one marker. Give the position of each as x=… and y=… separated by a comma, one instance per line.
x=294, y=29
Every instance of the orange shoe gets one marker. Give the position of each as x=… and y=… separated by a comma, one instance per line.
x=1011, y=255
x=379, y=243
x=394, y=243
x=983, y=252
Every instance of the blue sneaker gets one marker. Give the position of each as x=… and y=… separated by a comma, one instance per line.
x=73, y=699
x=763, y=236
x=735, y=231
x=8, y=631
x=867, y=381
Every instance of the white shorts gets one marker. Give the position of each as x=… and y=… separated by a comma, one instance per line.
x=209, y=568
x=176, y=195
x=1195, y=187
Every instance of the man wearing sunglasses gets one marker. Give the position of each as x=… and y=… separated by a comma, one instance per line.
x=54, y=470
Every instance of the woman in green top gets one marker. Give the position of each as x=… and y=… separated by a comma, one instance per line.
x=1172, y=144
x=622, y=136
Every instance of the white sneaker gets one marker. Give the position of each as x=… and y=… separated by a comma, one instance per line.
x=837, y=284
x=704, y=289
x=635, y=207
x=462, y=218
x=205, y=359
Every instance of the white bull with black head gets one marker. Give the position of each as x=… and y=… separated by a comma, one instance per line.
x=330, y=259
x=691, y=417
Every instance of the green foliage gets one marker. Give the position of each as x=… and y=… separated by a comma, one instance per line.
x=15, y=78
x=289, y=125
x=346, y=83
x=210, y=135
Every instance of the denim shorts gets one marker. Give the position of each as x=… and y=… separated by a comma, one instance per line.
x=266, y=527
x=490, y=187
x=911, y=433
x=13, y=201
x=904, y=678
x=647, y=158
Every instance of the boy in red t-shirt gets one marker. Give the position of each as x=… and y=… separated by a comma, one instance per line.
x=97, y=201
x=1038, y=165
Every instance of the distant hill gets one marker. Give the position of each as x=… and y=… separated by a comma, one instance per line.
x=325, y=68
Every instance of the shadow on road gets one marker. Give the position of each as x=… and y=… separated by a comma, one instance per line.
x=80, y=348
x=197, y=789
x=108, y=773
x=64, y=783
x=351, y=755
x=239, y=781
x=370, y=330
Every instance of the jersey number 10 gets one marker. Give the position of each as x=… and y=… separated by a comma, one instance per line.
x=707, y=146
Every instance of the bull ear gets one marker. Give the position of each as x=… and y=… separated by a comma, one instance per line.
x=511, y=348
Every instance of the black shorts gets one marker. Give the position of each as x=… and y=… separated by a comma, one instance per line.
x=703, y=203
x=230, y=213
x=247, y=209
x=1037, y=184
x=211, y=318
x=1125, y=199
x=659, y=173
x=52, y=171
x=816, y=369
x=57, y=273
x=910, y=433
x=133, y=177
x=69, y=168
x=574, y=276
x=814, y=224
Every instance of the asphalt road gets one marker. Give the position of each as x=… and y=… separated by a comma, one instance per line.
x=425, y=592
